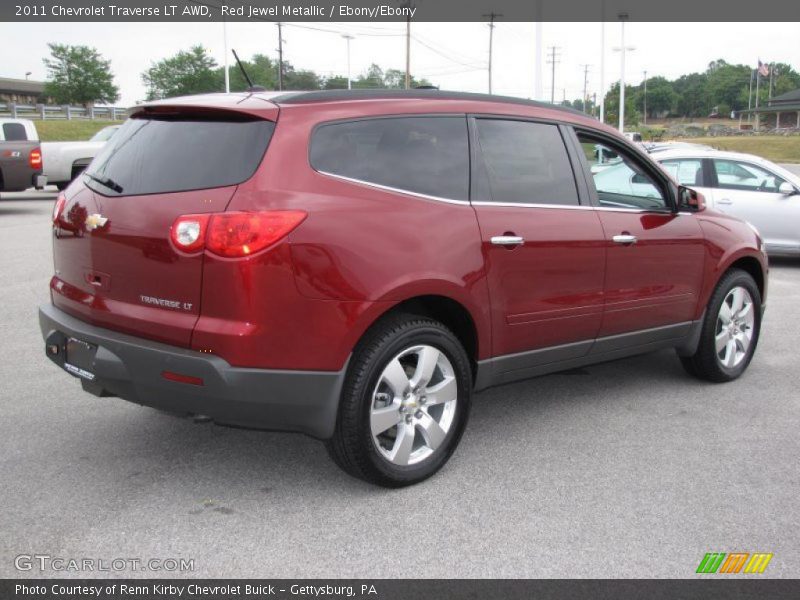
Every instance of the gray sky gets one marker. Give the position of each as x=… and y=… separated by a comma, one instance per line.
x=452, y=55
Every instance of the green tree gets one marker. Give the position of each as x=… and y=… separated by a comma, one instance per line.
x=261, y=69
x=693, y=99
x=79, y=75
x=337, y=82
x=727, y=85
x=192, y=72
x=612, y=105
x=372, y=78
x=661, y=97
x=300, y=79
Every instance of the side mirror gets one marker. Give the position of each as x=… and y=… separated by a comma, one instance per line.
x=787, y=189
x=689, y=199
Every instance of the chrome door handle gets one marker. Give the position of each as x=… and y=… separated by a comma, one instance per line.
x=724, y=201
x=625, y=239
x=507, y=240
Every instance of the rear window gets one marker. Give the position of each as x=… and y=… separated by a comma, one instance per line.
x=422, y=155
x=14, y=132
x=158, y=155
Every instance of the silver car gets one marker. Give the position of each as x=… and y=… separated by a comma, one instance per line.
x=746, y=186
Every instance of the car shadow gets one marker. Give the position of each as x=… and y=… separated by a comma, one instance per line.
x=784, y=261
x=235, y=463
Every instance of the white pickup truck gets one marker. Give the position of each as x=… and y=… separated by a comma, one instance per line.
x=63, y=161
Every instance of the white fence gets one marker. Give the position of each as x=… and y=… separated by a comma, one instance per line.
x=65, y=112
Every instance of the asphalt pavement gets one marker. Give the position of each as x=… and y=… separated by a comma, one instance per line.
x=627, y=469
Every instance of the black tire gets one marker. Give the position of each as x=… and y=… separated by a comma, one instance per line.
x=705, y=362
x=62, y=185
x=352, y=446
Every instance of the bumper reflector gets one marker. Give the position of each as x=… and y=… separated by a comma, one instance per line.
x=181, y=378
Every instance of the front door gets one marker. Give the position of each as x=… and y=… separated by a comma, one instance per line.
x=655, y=256
x=544, y=251
x=751, y=192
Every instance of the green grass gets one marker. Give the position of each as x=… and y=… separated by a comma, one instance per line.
x=69, y=131
x=777, y=148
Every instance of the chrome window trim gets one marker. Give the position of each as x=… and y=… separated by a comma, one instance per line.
x=387, y=188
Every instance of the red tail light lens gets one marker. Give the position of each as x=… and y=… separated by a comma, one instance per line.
x=238, y=234
x=188, y=232
x=35, y=158
x=58, y=207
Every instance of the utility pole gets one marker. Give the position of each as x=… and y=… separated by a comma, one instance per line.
x=553, y=59
x=225, y=43
x=408, y=53
x=585, y=84
x=491, y=16
x=280, y=56
x=622, y=50
x=348, y=37
x=594, y=102
x=645, y=98
x=771, y=74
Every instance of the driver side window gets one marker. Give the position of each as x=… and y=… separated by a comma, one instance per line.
x=619, y=179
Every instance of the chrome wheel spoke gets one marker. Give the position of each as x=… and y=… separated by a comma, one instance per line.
x=426, y=364
x=730, y=353
x=385, y=418
x=431, y=432
x=395, y=377
x=725, y=314
x=401, y=451
x=442, y=392
x=722, y=340
x=746, y=313
x=737, y=299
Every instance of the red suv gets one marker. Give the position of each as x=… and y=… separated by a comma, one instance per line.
x=354, y=265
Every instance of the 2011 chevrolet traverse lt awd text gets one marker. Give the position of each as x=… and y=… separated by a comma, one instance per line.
x=355, y=265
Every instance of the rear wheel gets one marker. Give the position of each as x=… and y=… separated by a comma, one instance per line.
x=730, y=331
x=405, y=402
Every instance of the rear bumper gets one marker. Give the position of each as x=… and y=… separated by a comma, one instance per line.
x=131, y=368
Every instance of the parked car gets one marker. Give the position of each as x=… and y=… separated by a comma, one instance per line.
x=354, y=265
x=633, y=136
x=64, y=161
x=746, y=186
x=20, y=156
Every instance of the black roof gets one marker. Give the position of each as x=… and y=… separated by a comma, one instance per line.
x=423, y=94
x=793, y=96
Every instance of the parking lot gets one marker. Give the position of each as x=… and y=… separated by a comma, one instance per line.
x=627, y=469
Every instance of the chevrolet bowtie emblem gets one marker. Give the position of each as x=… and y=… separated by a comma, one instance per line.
x=94, y=221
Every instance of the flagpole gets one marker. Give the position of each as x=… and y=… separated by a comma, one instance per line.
x=750, y=96
x=758, y=81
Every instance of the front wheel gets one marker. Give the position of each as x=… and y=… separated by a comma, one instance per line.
x=405, y=402
x=730, y=330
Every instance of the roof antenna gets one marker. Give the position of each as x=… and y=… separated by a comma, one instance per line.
x=251, y=87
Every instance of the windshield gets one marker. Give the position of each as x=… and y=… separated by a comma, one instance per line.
x=160, y=155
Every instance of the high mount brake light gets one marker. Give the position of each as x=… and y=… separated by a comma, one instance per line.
x=233, y=234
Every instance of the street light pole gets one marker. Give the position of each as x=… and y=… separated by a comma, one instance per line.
x=645, y=97
x=622, y=50
x=348, y=37
x=225, y=43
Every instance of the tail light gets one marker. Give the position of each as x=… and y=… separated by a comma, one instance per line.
x=35, y=158
x=234, y=234
x=58, y=207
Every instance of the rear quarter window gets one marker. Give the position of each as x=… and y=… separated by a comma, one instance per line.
x=160, y=155
x=14, y=132
x=422, y=155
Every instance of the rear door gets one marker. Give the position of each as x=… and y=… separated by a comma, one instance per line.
x=655, y=256
x=543, y=250
x=115, y=264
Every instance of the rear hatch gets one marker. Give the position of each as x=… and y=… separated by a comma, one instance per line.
x=115, y=265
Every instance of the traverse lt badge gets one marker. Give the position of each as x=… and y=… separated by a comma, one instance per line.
x=94, y=221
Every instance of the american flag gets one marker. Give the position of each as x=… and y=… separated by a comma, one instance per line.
x=763, y=68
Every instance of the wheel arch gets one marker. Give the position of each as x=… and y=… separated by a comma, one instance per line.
x=450, y=312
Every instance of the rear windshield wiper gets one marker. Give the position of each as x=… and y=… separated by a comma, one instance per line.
x=106, y=181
